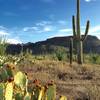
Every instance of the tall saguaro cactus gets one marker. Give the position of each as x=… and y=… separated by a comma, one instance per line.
x=77, y=33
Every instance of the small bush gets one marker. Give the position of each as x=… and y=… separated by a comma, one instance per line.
x=95, y=58
x=3, y=45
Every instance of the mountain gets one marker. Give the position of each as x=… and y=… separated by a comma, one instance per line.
x=91, y=45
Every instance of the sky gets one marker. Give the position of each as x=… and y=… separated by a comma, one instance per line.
x=23, y=21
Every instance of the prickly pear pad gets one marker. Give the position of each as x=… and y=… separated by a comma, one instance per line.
x=20, y=80
x=9, y=91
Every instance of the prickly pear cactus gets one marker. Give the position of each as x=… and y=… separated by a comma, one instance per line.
x=18, y=96
x=9, y=91
x=63, y=98
x=36, y=93
x=20, y=80
x=27, y=96
x=9, y=72
x=51, y=92
x=17, y=88
x=3, y=75
x=2, y=90
x=41, y=93
x=6, y=72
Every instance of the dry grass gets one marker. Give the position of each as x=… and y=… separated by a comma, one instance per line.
x=76, y=82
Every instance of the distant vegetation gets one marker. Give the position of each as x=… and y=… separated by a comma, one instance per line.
x=91, y=45
x=57, y=49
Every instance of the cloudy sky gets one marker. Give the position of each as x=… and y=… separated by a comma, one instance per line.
x=36, y=20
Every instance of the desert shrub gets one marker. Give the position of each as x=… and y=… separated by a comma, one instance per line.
x=95, y=58
x=3, y=45
x=92, y=58
x=39, y=57
x=61, y=54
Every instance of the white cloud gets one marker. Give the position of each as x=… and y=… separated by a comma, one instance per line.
x=25, y=29
x=89, y=0
x=65, y=30
x=2, y=32
x=47, y=29
x=95, y=29
x=40, y=27
x=8, y=34
x=62, y=22
x=47, y=26
x=62, y=32
x=43, y=23
x=58, y=35
x=14, y=41
x=2, y=28
x=98, y=36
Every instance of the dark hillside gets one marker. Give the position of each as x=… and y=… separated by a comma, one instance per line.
x=91, y=45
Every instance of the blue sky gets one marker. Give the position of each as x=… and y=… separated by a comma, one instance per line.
x=36, y=20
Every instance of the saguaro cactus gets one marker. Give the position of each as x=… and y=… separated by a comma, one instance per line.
x=77, y=33
x=71, y=51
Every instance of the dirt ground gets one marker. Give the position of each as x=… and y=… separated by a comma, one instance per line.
x=76, y=82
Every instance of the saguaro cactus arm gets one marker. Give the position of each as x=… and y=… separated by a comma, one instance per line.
x=74, y=28
x=78, y=19
x=86, y=31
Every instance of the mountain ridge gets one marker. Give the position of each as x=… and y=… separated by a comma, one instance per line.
x=91, y=45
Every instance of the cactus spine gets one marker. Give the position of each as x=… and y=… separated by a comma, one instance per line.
x=77, y=34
